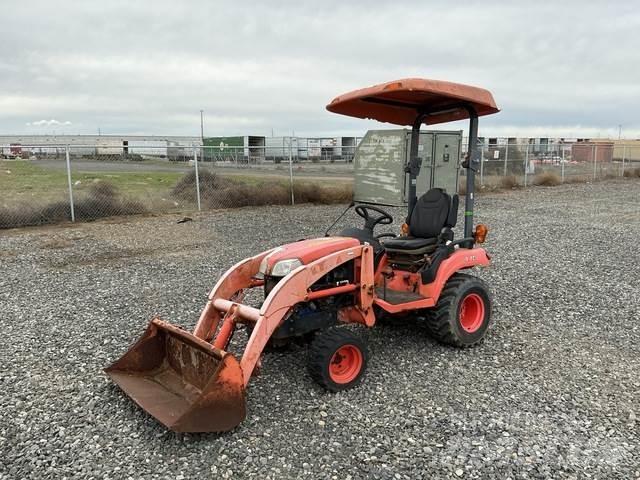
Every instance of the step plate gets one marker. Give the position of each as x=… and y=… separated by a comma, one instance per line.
x=397, y=297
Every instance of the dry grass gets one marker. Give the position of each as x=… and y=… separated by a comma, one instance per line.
x=308, y=192
x=102, y=200
x=210, y=183
x=577, y=179
x=547, y=179
x=462, y=186
x=223, y=192
x=509, y=182
x=479, y=189
x=632, y=173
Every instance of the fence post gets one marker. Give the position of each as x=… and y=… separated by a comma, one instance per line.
x=291, y=170
x=506, y=158
x=562, y=165
x=195, y=161
x=595, y=153
x=624, y=154
x=526, y=164
x=482, y=165
x=73, y=213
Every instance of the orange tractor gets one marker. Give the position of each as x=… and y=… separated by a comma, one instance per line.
x=190, y=382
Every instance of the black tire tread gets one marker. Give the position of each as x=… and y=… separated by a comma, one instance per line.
x=325, y=344
x=438, y=322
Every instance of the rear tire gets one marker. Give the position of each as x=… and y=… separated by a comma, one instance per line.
x=337, y=359
x=463, y=312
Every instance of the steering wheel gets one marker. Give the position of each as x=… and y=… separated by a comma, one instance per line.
x=369, y=221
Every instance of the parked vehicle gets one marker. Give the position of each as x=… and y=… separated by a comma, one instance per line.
x=191, y=382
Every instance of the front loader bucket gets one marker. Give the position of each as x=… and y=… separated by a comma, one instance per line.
x=187, y=384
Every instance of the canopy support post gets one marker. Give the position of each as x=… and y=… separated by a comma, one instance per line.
x=471, y=164
x=413, y=167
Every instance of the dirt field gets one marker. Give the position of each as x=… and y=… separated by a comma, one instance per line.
x=552, y=392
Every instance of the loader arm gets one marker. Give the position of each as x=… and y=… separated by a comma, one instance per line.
x=291, y=290
x=233, y=283
x=188, y=381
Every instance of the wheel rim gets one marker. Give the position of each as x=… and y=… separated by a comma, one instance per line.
x=345, y=364
x=471, y=313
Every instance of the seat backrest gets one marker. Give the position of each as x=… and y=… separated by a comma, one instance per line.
x=432, y=212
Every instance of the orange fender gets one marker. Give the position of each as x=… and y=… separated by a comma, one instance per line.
x=462, y=258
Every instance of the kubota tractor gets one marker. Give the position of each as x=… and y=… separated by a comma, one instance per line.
x=190, y=382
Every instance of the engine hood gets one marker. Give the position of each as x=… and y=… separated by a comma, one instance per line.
x=309, y=250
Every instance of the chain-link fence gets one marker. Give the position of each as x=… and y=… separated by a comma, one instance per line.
x=512, y=164
x=52, y=184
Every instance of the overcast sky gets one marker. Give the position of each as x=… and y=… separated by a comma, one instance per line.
x=569, y=68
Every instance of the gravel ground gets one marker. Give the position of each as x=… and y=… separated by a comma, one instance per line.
x=553, y=391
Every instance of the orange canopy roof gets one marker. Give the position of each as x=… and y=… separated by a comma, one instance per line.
x=399, y=101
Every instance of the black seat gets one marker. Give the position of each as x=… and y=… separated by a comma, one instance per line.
x=433, y=215
x=408, y=244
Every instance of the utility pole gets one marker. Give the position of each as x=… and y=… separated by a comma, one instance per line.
x=202, y=126
x=201, y=146
x=619, y=132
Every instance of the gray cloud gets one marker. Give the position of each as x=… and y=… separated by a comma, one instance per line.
x=568, y=68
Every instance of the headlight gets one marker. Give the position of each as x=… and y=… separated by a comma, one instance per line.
x=285, y=267
x=263, y=265
x=265, y=261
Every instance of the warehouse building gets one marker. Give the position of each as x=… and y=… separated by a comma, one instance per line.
x=90, y=145
x=258, y=149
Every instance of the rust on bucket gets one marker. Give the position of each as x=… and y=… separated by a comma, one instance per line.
x=184, y=382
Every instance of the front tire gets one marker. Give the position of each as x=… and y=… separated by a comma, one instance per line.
x=337, y=359
x=463, y=312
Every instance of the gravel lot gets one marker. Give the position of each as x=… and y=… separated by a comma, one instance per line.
x=553, y=391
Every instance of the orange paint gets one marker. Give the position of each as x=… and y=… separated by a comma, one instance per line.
x=308, y=251
x=398, y=101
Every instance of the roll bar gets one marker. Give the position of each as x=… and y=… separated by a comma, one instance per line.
x=471, y=163
x=414, y=101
